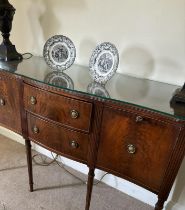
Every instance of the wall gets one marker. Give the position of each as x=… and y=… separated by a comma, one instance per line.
x=149, y=34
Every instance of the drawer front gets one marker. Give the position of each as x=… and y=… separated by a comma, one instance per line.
x=70, y=112
x=70, y=143
x=135, y=147
x=9, y=103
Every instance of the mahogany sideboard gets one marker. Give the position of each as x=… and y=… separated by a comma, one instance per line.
x=126, y=128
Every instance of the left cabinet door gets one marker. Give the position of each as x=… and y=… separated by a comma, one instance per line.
x=9, y=102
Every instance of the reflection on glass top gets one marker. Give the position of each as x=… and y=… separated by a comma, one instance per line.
x=141, y=92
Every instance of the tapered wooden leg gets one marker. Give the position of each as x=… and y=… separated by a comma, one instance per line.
x=160, y=204
x=29, y=162
x=89, y=188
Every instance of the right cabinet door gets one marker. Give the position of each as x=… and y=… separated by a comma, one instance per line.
x=136, y=147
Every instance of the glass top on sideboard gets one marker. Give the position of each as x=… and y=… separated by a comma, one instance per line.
x=123, y=88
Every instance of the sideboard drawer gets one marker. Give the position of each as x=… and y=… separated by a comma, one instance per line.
x=9, y=103
x=70, y=112
x=68, y=143
x=136, y=147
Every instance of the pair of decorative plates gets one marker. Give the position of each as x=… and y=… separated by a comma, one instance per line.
x=60, y=53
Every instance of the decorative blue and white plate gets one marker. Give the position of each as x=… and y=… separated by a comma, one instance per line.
x=97, y=89
x=59, y=52
x=104, y=62
x=59, y=79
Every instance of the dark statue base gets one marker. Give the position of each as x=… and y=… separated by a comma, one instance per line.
x=9, y=53
x=178, y=101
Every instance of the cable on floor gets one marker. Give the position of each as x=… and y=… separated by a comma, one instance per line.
x=43, y=160
x=61, y=165
x=27, y=56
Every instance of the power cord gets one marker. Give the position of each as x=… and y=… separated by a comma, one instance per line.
x=61, y=165
x=27, y=55
x=96, y=183
x=43, y=160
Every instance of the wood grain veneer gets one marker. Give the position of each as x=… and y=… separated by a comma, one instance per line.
x=153, y=141
x=58, y=139
x=103, y=130
x=10, y=116
x=58, y=108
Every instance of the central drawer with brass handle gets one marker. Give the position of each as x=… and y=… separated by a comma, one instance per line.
x=70, y=112
x=69, y=143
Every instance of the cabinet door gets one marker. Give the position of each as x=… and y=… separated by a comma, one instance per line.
x=136, y=148
x=9, y=103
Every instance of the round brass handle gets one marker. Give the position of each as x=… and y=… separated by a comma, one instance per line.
x=35, y=129
x=74, y=144
x=131, y=149
x=74, y=114
x=139, y=119
x=33, y=100
x=2, y=102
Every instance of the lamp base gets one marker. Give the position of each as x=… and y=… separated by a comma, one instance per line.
x=9, y=53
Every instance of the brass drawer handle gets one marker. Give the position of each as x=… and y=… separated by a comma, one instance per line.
x=33, y=100
x=131, y=149
x=74, y=144
x=139, y=119
x=35, y=129
x=2, y=102
x=74, y=114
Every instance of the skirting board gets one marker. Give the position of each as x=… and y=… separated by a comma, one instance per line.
x=174, y=206
x=11, y=135
x=113, y=181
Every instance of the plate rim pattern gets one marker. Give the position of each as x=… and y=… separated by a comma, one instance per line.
x=71, y=48
x=96, y=75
